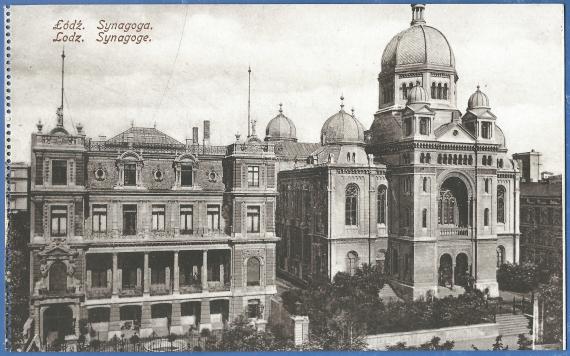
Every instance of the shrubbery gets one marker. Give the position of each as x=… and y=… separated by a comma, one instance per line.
x=349, y=308
x=518, y=278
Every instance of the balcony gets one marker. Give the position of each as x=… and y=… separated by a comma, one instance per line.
x=159, y=289
x=216, y=286
x=191, y=288
x=60, y=140
x=98, y=292
x=454, y=231
x=126, y=292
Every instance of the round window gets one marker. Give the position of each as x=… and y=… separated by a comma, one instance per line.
x=100, y=174
x=212, y=176
x=158, y=175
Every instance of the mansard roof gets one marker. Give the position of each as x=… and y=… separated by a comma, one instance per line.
x=292, y=150
x=143, y=137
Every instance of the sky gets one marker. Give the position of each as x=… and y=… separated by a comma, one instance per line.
x=304, y=56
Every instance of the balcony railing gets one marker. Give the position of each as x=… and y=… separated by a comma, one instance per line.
x=191, y=288
x=159, y=289
x=454, y=231
x=216, y=286
x=153, y=235
x=60, y=140
x=131, y=291
x=99, y=292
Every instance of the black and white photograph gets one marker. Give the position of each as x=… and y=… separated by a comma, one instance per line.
x=292, y=177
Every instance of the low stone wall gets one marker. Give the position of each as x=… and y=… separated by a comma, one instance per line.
x=415, y=338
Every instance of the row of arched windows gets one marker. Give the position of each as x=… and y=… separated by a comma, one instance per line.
x=425, y=158
x=439, y=91
x=351, y=204
x=454, y=159
x=486, y=160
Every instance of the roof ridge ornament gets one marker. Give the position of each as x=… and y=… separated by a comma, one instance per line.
x=418, y=14
x=281, y=108
x=341, y=102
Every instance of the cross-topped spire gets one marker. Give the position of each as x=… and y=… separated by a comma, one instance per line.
x=281, y=108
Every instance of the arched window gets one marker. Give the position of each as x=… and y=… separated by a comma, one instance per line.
x=439, y=91
x=58, y=277
x=454, y=159
x=501, y=204
x=353, y=157
x=425, y=185
x=487, y=184
x=351, y=205
x=424, y=218
x=486, y=217
x=447, y=205
x=351, y=262
x=253, y=271
x=422, y=157
x=348, y=156
x=404, y=91
x=382, y=204
x=445, y=91
x=428, y=158
x=433, y=90
x=484, y=160
x=500, y=256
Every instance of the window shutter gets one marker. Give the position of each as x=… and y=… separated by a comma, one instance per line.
x=88, y=278
x=237, y=175
x=139, y=277
x=271, y=175
x=269, y=217
x=120, y=278
x=167, y=276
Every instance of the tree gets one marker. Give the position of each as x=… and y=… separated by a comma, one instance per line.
x=17, y=278
x=498, y=345
x=551, y=297
x=524, y=342
x=242, y=335
x=518, y=277
x=432, y=345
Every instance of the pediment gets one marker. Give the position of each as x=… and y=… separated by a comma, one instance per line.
x=454, y=132
x=418, y=109
x=482, y=114
x=57, y=250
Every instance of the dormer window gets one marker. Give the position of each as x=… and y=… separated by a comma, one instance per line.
x=424, y=126
x=186, y=175
x=130, y=175
x=59, y=172
x=486, y=130
x=185, y=167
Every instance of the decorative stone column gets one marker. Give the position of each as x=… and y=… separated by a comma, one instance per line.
x=175, y=326
x=205, y=273
x=114, y=322
x=115, y=275
x=452, y=274
x=146, y=324
x=146, y=283
x=205, y=322
x=176, y=277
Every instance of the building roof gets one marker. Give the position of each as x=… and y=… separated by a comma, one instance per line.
x=418, y=44
x=291, y=150
x=537, y=189
x=342, y=128
x=478, y=100
x=281, y=128
x=143, y=136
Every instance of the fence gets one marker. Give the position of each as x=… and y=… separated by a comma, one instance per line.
x=193, y=342
x=517, y=305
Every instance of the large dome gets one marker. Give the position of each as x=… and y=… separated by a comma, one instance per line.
x=342, y=128
x=281, y=128
x=418, y=44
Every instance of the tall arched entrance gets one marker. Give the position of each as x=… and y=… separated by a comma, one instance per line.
x=57, y=323
x=445, y=271
x=453, y=203
x=461, y=269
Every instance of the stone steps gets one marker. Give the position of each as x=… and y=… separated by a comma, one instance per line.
x=511, y=324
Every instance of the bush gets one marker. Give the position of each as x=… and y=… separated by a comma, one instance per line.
x=518, y=278
x=432, y=345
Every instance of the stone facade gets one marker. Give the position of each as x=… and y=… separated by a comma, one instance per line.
x=435, y=192
x=143, y=234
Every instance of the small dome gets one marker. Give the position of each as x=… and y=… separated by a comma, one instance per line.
x=417, y=95
x=478, y=100
x=342, y=128
x=281, y=128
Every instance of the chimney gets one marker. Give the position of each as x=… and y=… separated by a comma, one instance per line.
x=206, y=137
x=195, y=136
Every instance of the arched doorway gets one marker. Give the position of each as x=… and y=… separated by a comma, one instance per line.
x=445, y=270
x=57, y=322
x=461, y=269
x=453, y=203
x=58, y=277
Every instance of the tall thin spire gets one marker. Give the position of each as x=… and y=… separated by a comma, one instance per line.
x=60, y=109
x=249, y=101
